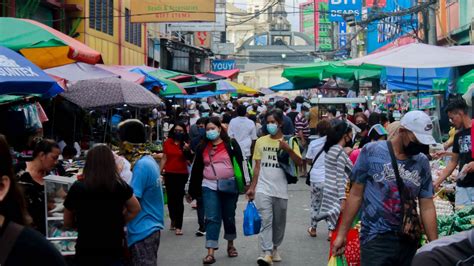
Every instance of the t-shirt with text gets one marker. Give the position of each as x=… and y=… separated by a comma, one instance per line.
x=271, y=180
x=381, y=210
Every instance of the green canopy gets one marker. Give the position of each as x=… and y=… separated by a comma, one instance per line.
x=465, y=81
x=164, y=74
x=172, y=88
x=311, y=75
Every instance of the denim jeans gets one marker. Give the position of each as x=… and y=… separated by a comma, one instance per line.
x=464, y=196
x=387, y=250
x=219, y=207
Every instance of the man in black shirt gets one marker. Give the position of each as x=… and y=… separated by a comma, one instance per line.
x=293, y=113
x=462, y=153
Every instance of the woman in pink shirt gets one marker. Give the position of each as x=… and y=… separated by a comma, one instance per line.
x=213, y=177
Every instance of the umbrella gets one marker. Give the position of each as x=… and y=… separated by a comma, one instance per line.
x=465, y=82
x=43, y=45
x=80, y=71
x=150, y=81
x=172, y=88
x=109, y=93
x=124, y=73
x=210, y=77
x=230, y=74
x=203, y=94
x=20, y=76
x=240, y=88
x=223, y=85
x=198, y=86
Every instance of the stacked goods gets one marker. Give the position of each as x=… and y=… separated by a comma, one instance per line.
x=462, y=220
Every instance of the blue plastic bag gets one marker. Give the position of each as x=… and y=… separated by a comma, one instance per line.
x=252, y=220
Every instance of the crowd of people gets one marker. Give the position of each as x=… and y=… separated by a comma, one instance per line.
x=359, y=167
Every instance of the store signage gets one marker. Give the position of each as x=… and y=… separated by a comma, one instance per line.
x=202, y=39
x=378, y=3
x=423, y=102
x=218, y=65
x=385, y=31
x=340, y=8
x=10, y=68
x=172, y=10
x=342, y=34
x=217, y=26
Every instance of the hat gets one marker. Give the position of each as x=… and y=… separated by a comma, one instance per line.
x=419, y=123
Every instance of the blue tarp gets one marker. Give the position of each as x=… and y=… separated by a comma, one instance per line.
x=285, y=86
x=150, y=81
x=198, y=95
x=405, y=79
x=20, y=76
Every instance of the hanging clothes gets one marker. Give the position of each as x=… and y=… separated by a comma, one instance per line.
x=41, y=113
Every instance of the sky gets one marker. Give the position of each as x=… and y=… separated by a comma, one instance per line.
x=292, y=6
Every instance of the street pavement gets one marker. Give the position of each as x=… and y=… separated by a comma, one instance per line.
x=298, y=247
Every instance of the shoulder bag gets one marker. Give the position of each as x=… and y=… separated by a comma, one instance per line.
x=308, y=176
x=410, y=227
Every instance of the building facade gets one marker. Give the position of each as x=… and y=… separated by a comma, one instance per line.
x=455, y=22
x=314, y=22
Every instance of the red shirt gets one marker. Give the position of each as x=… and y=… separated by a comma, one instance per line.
x=175, y=161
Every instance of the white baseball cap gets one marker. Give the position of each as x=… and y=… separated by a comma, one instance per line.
x=420, y=124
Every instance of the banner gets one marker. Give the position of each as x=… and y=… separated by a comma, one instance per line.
x=339, y=8
x=217, y=26
x=172, y=10
x=426, y=102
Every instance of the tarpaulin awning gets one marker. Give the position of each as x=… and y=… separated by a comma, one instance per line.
x=241, y=88
x=20, y=76
x=150, y=81
x=463, y=48
x=172, y=88
x=465, y=82
x=198, y=86
x=210, y=77
x=417, y=56
x=80, y=71
x=401, y=79
x=199, y=95
x=285, y=86
x=230, y=74
x=124, y=73
x=109, y=93
x=43, y=45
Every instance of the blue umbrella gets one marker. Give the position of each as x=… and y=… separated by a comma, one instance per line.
x=285, y=86
x=150, y=81
x=198, y=95
x=20, y=76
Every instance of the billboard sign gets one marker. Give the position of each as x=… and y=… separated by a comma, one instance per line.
x=202, y=39
x=307, y=20
x=339, y=8
x=385, y=31
x=219, y=65
x=218, y=25
x=172, y=11
x=342, y=34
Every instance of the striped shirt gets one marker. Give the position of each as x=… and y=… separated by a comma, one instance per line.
x=338, y=168
x=301, y=124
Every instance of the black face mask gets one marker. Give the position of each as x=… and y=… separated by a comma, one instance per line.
x=179, y=136
x=414, y=148
x=362, y=126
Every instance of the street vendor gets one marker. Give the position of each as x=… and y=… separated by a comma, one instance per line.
x=462, y=154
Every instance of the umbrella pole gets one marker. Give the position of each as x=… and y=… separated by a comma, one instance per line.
x=417, y=89
x=106, y=123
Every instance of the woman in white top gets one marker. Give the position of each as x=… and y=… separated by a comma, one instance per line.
x=315, y=157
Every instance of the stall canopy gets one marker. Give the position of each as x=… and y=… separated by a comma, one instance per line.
x=172, y=88
x=20, y=76
x=80, y=71
x=465, y=82
x=228, y=86
x=109, y=93
x=285, y=86
x=43, y=45
x=198, y=95
x=311, y=76
x=124, y=73
x=198, y=86
x=150, y=81
x=416, y=55
x=423, y=79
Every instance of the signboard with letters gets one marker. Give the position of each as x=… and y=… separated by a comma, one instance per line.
x=202, y=39
x=218, y=25
x=219, y=65
x=172, y=10
x=339, y=8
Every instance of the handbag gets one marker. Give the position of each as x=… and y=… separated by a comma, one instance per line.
x=228, y=185
x=308, y=175
x=410, y=227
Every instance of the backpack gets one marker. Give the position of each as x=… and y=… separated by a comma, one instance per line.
x=286, y=163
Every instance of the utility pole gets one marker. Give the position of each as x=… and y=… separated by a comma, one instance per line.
x=432, y=36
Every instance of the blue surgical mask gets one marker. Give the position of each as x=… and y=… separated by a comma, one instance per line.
x=212, y=134
x=202, y=132
x=205, y=114
x=272, y=129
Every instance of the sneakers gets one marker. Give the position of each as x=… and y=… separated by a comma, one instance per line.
x=276, y=256
x=200, y=232
x=265, y=260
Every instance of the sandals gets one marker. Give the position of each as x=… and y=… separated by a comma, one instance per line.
x=312, y=232
x=178, y=232
x=209, y=259
x=232, y=252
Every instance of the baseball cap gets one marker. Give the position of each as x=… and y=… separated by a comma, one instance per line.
x=420, y=124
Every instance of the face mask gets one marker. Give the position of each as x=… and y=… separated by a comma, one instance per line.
x=414, y=148
x=272, y=129
x=179, y=136
x=202, y=132
x=362, y=126
x=212, y=134
x=206, y=114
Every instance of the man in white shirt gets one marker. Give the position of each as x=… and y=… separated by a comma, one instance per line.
x=243, y=130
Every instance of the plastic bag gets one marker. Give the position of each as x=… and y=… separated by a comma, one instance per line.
x=252, y=220
x=337, y=261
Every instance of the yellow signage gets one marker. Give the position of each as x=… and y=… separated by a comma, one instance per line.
x=172, y=10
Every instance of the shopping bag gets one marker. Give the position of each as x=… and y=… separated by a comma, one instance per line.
x=252, y=220
x=337, y=261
